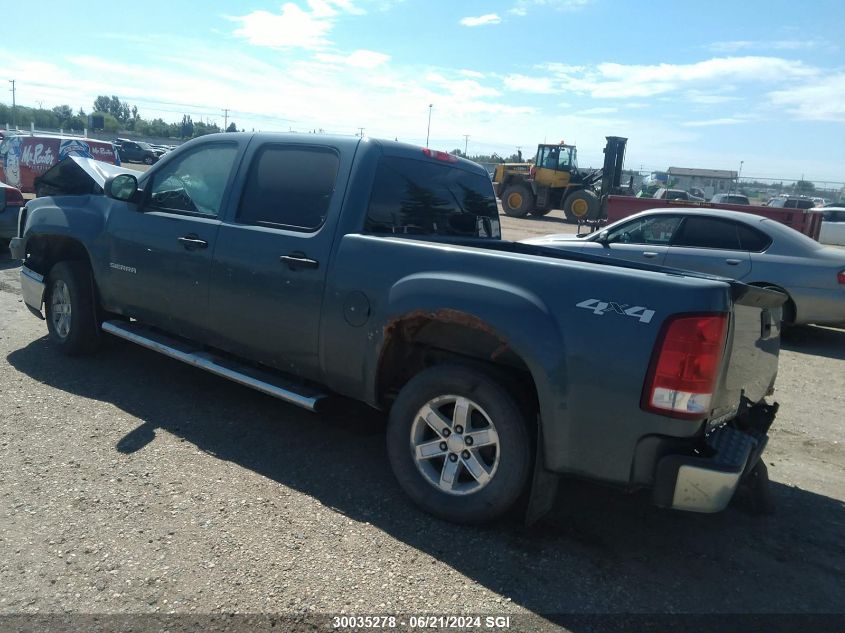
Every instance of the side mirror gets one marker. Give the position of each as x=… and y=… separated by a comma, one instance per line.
x=603, y=238
x=123, y=187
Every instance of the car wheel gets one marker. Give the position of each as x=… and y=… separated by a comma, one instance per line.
x=517, y=201
x=148, y=160
x=458, y=444
x=69, y=308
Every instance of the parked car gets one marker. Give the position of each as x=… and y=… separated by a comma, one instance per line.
x=24, y=158
x=730, y=198
x=833, y=226
x=753, y=249
x=792, y=202
x=138, y=151
x=11, y=201
x=674, y=194
x=305, y=266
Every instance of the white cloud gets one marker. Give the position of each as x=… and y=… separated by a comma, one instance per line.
x=703, y=98
x=358, y=59
x=293, y=27
x=522, y=83
x=481, y=20
x=711, y=122
x=615, y=81
x=734, y=46
x=523, y=6
x=474, y=74
x=600, y=110
x=821, y=100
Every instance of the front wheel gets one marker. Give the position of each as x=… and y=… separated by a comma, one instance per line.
x=69, y=308
x=458, y=444
x=148, y=160
x=581, y=205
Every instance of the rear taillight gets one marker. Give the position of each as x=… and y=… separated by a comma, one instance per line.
x=444, y=156
x=685, y=366
x=841, y=277
x=11, y=197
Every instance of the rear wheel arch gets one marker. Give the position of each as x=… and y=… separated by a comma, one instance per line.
x=421, y=340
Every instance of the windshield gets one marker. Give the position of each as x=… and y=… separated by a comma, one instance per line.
x=559, y=157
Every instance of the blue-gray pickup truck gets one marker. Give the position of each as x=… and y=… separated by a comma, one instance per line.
x=309, y=267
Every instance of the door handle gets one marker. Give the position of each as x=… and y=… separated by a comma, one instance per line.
x=192, y=241
x=298, y=260
x=650, y=254
x=733, y=262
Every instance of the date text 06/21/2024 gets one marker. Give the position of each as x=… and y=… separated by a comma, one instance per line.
x=422, y=621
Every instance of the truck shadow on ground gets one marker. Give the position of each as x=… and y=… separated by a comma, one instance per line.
x=815, y=340
x=598, y=551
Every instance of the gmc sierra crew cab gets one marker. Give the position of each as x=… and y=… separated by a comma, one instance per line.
x=307, y=266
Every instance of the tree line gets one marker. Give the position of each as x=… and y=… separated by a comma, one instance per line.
x=117, y=117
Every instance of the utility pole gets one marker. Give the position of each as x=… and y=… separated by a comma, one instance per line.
x=428, y=132
x=14, y=117
x=466, y=143
x=225, y=119
x=361, y=132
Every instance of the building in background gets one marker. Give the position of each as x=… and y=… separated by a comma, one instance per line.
x=710, y=181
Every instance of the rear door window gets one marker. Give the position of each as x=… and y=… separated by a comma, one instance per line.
x=704, y=232
x=752, y=239
x=289, y=187
x=420, y=197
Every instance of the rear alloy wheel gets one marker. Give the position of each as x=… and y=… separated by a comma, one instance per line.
x=581, y=205
x=148, y=160
x=517, y=201
x=458, y=444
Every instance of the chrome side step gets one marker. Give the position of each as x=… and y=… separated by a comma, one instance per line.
x=261, y=380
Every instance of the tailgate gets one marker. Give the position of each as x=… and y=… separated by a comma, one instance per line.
x=751, y=357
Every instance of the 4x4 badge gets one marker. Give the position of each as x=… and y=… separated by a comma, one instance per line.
x=597, y=306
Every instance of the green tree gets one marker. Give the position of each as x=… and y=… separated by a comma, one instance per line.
x=187, y=127
x=102, y=103
x=232, y=127
x=804, y=187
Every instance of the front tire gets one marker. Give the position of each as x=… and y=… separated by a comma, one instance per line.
x=69, y=309
x=148, y=160
x=458, y=444
x=581, y=205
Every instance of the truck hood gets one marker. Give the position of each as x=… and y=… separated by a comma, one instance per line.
x=77, y=175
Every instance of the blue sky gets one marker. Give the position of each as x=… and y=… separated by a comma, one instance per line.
x=693, y=84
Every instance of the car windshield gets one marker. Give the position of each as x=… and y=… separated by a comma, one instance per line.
x=143, y=145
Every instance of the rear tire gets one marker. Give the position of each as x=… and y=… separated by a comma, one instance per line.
x=484, y=466
x=148, y=160
x=517, y=201
x=581, y=205
x=70, y=309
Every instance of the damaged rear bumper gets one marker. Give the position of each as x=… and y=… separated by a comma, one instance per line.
x=706, y=480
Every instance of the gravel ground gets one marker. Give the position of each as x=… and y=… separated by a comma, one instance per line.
x=133, y=484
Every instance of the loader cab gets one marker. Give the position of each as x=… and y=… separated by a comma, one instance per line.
x=555, y=164
x=557, y=157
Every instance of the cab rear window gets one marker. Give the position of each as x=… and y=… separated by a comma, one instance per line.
x=421, y=197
